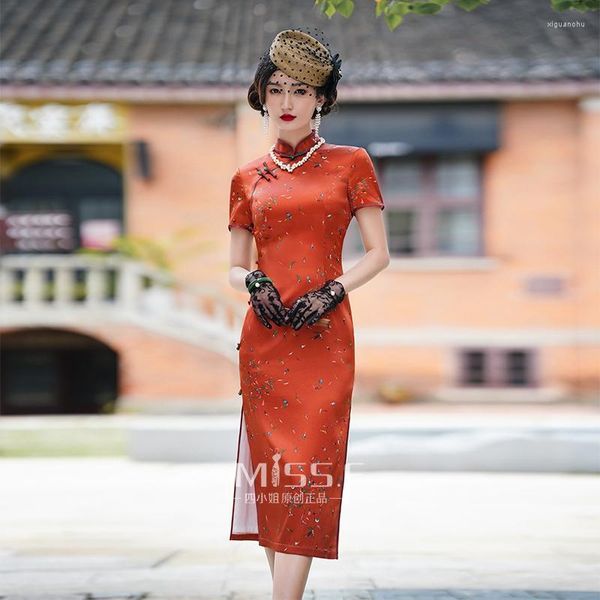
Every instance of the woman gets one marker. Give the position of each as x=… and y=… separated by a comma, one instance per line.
x=296, y=365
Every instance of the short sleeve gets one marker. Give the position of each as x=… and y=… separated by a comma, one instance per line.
x=363, y=187
x=240, y=213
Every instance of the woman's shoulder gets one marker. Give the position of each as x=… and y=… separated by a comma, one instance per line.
x=249, y=168
x=344, y=150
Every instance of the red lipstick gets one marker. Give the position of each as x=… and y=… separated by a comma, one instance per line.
x=287, y=117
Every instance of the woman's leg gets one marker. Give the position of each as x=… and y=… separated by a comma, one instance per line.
x=271, y=558
x=291, y=573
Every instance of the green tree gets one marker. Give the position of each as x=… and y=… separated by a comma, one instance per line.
x=393, y=11
x=164, y=253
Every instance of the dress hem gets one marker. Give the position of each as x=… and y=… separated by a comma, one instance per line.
x=285, y=548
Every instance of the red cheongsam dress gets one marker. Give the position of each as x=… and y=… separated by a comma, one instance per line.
x=296, y=386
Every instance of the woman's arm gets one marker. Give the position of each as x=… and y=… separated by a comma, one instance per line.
x=240, y=257
x=372, y=231
x=377, y=256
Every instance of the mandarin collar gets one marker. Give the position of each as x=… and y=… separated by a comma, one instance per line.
x=284, y=148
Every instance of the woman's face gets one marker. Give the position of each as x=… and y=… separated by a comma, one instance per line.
x=285, y=95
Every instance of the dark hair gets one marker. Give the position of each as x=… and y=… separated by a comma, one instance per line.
x=266, y=68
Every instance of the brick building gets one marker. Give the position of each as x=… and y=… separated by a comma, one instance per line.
x=128, y=118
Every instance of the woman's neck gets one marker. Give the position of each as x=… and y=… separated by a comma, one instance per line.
x=293, y=137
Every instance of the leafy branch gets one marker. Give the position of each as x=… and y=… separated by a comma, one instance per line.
x=393, y=11
x=163, y=253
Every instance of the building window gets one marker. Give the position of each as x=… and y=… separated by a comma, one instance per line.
x=517, y=368
x=473, y=368
x=433, y=206
x=496, y=367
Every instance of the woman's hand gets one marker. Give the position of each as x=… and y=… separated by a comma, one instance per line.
x=265, y=299
x=310, y=307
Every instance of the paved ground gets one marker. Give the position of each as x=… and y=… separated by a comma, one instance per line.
x=113, y=529
x=340, y=594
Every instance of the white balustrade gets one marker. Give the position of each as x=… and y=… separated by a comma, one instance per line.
x=48, y=289
x=64, y=286
x=33, y=286
x=96, y=280
x=6, y=285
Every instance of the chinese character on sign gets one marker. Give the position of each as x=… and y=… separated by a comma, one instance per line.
x=38, y=232
x=60, y=122
x=50, y=120
x=97, y=118
x=13, y=118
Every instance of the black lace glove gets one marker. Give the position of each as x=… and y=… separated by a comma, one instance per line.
x=310, y=307
x=265, y=299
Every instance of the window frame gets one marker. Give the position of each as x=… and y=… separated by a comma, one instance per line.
x=428, y=206
x=495, y=369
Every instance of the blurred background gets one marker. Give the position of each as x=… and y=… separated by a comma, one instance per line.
x=123, y=118
x=477, y=349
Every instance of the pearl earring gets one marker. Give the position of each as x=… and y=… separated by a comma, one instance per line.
x=265, y=120
x=317, y=120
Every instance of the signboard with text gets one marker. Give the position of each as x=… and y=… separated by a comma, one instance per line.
x=56, y=122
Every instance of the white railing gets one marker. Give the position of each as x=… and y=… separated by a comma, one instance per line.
x=71, y=289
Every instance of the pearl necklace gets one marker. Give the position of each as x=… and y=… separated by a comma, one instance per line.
x=291, y=167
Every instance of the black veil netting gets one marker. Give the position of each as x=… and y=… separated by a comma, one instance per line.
x=336, y=73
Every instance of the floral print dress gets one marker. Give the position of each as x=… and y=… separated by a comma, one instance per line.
x=296, y=386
